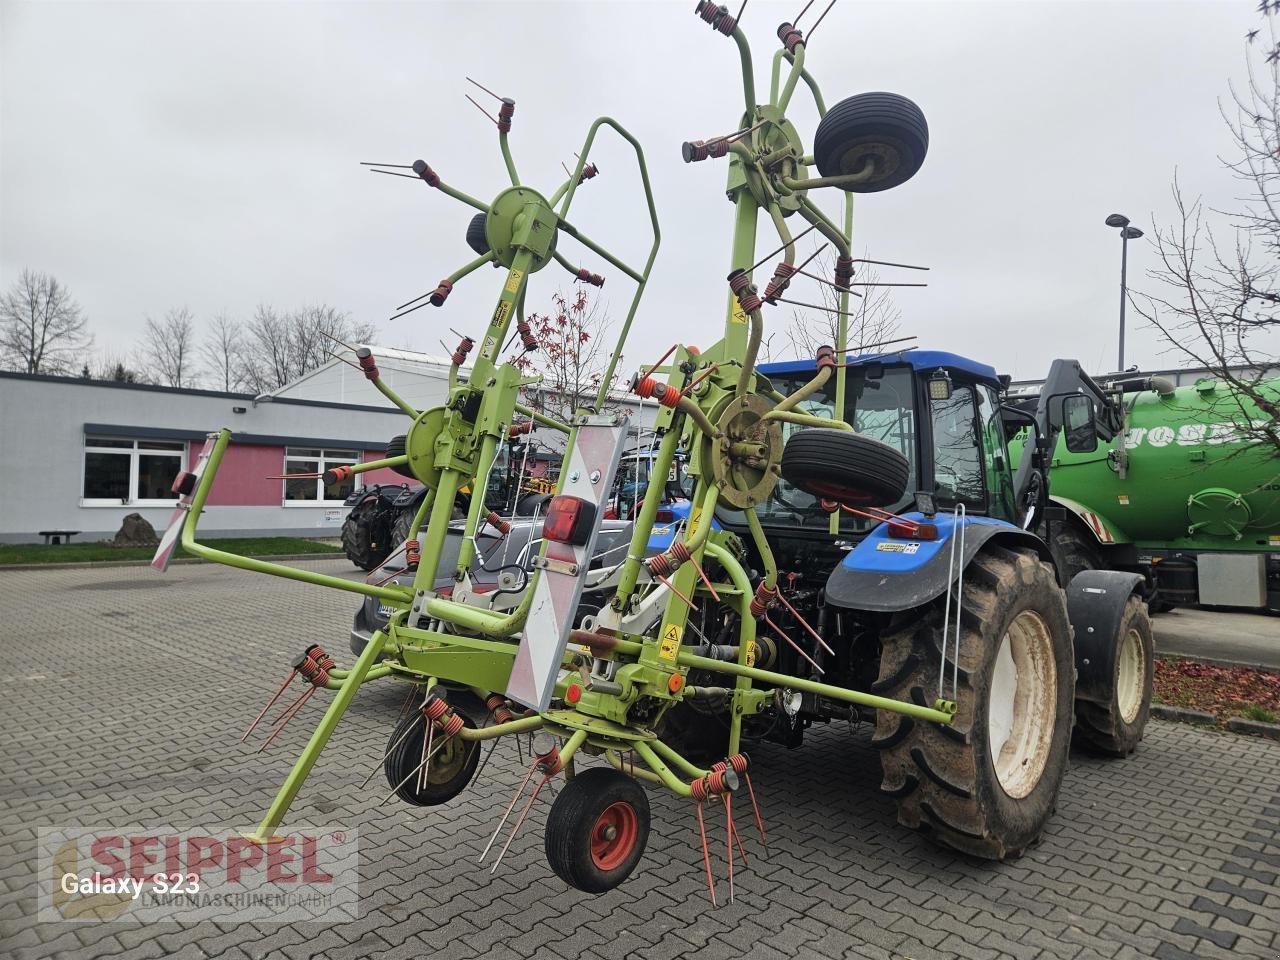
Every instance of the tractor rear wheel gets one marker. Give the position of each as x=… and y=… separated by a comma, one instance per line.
x=597, y=829
x=1114, y=728
x=363, y=540
x=987, y=784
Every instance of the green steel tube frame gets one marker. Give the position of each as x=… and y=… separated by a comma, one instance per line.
x=739, y=336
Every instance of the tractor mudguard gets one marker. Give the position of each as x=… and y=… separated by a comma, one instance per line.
x=407, y=496
x=1096, y=601
x=887, y=574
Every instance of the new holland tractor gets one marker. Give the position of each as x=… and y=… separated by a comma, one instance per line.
x=853, y=547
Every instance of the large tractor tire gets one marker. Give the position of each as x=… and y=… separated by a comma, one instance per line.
x=887, y=129
x=987, y=784
x=848, y=467
x=1114, y=728
x=364, y=534
x=1072, y=549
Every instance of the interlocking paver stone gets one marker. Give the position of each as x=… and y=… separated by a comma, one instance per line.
x=124, y=694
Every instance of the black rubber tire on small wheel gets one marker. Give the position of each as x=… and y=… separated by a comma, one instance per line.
x=884, y=127
x=1013, y=616
x=361, y=541
x=396, y=448
x=476, y=239
x=1072, y=550
x=844, y=466
x=450, y=771
x=1115, y=728
x=597, y=829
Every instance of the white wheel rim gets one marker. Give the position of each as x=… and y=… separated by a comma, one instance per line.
x=1131, y=676
x=1022, y=705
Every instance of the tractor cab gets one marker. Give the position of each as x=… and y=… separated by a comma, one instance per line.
x=939, y=410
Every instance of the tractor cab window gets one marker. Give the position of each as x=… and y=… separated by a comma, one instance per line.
x=880, y=406
x=998, y=469
x=957, y=450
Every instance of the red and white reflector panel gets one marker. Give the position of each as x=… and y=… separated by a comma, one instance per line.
x=587, y=477
x=189, y=482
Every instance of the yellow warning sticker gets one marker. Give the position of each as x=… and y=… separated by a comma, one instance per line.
x=513, y=280
x=501, y=313
x=751, y=654
x=738, y=315
x=669, y=646
x=1123, y=499
x=695, y=517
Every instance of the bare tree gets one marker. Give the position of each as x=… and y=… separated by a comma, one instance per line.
x=571, y=354
x=167, y=353
x=281, y=347
x=874, y=317
x=1217, y=280
x=221, y=350
x=42, y=329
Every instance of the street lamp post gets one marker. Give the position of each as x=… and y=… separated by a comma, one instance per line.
x=1127, y=233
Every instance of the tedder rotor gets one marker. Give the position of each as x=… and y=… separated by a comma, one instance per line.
x=611, y=679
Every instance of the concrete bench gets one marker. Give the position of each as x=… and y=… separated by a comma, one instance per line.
x=55, y=536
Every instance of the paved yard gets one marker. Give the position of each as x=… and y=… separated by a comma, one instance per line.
x=123, y=694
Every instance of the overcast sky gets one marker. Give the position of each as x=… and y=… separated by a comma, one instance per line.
x=154, y=155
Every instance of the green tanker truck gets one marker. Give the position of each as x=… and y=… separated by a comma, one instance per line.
x=1180, y=495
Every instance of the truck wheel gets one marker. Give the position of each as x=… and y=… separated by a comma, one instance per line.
x=597, y=829
x=1114, y=728
x=987, y=784
x=844, y=466
x=883, y=127
x=449, y=772
x=1072, y=550
x=359, y=535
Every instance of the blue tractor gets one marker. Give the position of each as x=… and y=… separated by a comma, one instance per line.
x=907, y=567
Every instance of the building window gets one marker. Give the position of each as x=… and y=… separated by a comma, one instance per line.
x=315, y=460
x=118, y=471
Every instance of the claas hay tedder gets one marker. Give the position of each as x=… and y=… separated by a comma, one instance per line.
x=903, y=590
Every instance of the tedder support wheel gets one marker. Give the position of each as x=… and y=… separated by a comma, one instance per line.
x=844, y=466
x=987, y=784
x=597, y=829
x=1114, y=728
x=884, y=128
x=396, y=448
x=475, y=235
x=449, y=772
x=361, y=540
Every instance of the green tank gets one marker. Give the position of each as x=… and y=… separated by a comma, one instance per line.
x=1180, y=495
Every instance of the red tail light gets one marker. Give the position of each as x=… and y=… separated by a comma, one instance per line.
x=664, y=516
x=569, y=520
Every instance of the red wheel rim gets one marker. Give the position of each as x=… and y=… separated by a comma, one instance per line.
x=613, y=835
